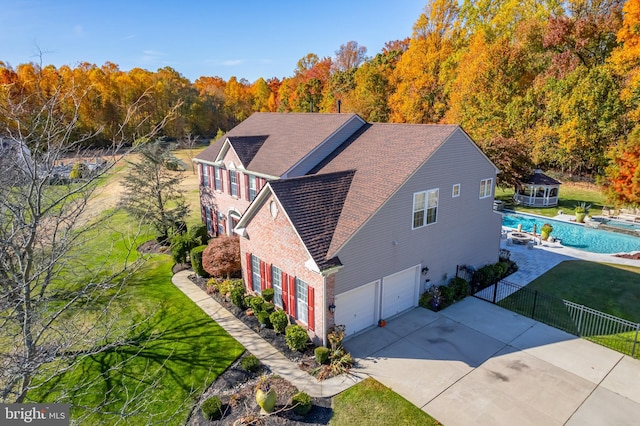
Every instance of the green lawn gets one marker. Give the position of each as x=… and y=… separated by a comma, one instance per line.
x=569, y=196
x=175, y=352
x=612, y=289
x=371, y=403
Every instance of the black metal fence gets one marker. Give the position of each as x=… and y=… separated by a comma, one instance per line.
x=599, y=327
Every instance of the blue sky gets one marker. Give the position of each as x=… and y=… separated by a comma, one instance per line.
x=247, y=39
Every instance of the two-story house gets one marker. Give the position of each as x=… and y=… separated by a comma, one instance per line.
x=354, y=230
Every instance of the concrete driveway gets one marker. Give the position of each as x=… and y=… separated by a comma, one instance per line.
x=476, y=363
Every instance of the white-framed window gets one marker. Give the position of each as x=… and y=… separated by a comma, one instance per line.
x=221, y=224
x=276, y=282
x=207, y=218
x=302, y=307
x=252, y=187
x=217, y=178
x=205, y=175
x=455, y=192
x=233, y=178
x=486, y=188
x=255, y=274
x=425, y=208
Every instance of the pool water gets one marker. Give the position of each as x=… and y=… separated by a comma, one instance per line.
x=576, y=236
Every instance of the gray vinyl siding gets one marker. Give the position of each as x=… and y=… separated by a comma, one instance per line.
x=467, y=230
x=327, y=147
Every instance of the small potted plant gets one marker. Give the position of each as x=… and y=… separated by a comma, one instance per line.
x=545, y=231
x=581, y=210
x=382, y=323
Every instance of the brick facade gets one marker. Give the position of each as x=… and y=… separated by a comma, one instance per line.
x=220, y=200
x=275, y=242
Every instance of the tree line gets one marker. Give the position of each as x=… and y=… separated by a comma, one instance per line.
x=550, y=83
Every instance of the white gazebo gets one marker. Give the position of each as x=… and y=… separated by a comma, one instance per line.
x=539, y=190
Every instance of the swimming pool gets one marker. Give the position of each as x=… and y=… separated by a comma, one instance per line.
x=576, y=236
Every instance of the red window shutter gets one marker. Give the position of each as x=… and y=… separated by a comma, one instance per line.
x=311, y=304
x=263, y=275
x=285, y=292
x=292, y=296
x=249, y=273
x=246, y=187
x=200, y=175
x=268, y=274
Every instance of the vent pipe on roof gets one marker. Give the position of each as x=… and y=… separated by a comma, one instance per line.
x=339, y=103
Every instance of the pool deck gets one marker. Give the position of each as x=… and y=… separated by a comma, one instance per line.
x=535, y=261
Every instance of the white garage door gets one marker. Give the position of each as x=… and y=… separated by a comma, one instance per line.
x=356, y=309
x=400, y=291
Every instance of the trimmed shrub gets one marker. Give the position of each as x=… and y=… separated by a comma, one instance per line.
x=212, y=408
x=296, y=337
x=321, y=354
x=263, y=318
x=301, y=403
x=181, y=245
x=280, y=321
x=268, y=307
x=199, y=231
x=196, y=260
x=255, y=303
x=237, y=297
x=447, y=295
x=267, y=294
x=250, y=363
x=460, y=288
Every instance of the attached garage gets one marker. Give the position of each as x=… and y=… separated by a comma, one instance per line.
x=400, y=291
x=357, y=309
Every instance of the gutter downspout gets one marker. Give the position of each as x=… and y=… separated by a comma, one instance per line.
x=324, y=310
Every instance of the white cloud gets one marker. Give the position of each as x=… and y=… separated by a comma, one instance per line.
x=151, y=56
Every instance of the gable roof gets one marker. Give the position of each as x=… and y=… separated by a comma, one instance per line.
x=313, y=204
x=246, y=147
x=384, y=155
x=288, y=138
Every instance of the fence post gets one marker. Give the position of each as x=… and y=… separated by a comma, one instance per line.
x=635, y=341
x=495, y=292
x=580, y=320
x=535, y=300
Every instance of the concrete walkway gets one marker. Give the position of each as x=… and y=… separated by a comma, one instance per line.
x=267, y=354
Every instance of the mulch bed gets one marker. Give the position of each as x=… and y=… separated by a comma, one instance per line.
x=236, y=387
x=635, y=256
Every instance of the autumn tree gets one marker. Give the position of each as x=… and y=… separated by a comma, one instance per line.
x=422, y=73
x=512, y=159
x=221, y=258
x=622, y=180
x=625, y=59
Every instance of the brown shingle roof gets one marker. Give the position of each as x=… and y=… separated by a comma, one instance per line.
x=291, y=136
x=313, y=204
x=384, y=157
x=247, y=147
